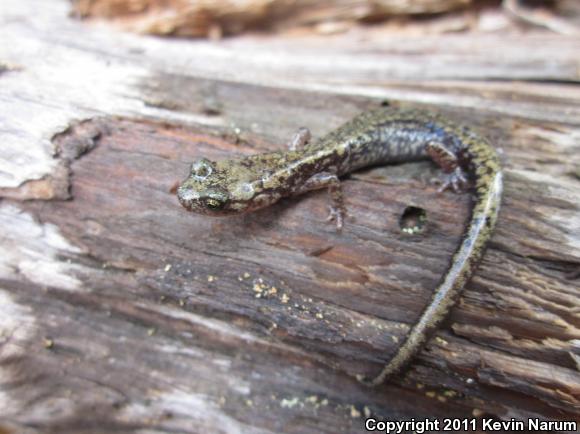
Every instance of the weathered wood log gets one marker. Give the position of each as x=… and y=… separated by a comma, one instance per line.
x=119, y=311
x=211, y=18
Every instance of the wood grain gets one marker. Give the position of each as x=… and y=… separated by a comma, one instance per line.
x=203, y=18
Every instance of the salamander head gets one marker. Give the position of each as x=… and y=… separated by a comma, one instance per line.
x=220, y=188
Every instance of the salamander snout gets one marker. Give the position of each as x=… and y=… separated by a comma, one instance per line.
x=221, y=188
x=209, y=201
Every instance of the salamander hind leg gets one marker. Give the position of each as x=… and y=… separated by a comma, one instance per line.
x=299, y=139
x=332, y=183
x=455, y=176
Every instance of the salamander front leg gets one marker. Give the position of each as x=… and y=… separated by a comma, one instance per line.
x=332, y=183
x=455, y=176
x=300, y=139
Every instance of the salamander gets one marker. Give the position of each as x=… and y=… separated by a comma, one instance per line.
x=381, y=136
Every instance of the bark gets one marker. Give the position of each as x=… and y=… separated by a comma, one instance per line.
x=202, y=18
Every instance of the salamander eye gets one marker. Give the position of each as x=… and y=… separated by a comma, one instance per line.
x=214, y=204
x=202, y=169
x=215, y=200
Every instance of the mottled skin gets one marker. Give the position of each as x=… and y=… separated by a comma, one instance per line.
x=381, y=136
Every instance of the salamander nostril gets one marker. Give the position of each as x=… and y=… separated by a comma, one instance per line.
x=185, y=194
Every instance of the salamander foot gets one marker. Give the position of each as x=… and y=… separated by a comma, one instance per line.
x=336, y=214
x=456, y=181
x=300, y=139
